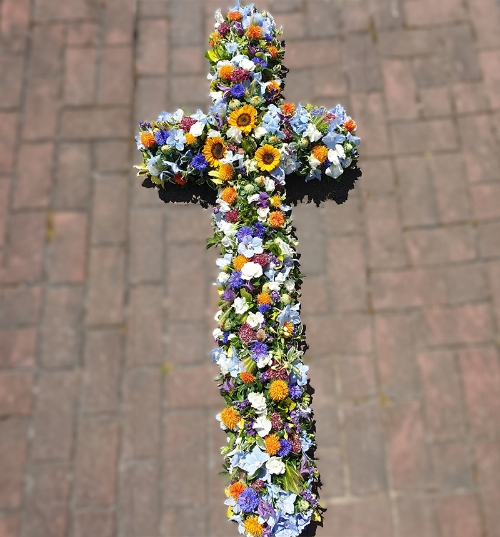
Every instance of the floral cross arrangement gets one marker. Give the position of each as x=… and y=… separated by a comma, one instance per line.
x=252, y=156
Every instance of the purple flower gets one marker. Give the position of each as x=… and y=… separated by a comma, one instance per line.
x=224, y=28
x=145, y=124
x=199, y=162
x=243, y=232
x=259, y=61
x=225, y=337
x=227, y=386
x=275, y=296
x=285, y=448
x=259, y=350
x=161, y=137
x=264, y=308
x=307, y=495
x=229, y=294
x=259, y=230
x=263, y=200
x=248, y=500
x=238, y=91
x=239, y=28
x=235, y=280
x=265, y=376
x=295, y=392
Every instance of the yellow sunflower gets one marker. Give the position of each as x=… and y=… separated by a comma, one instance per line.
x=243, y=118
x=214, y=151
x=268, y=157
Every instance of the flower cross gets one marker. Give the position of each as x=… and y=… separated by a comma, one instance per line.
x=250, y=157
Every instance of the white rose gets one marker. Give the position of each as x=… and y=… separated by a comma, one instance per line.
x=258, y=401
x=285, y=249
x=213, y=133
x=263, y=213
x=197, y=129
x=223, y=277
x=312, y=133
x=234, y=134
x=259, y=132
x=270, y=184
x=240, y=305
x=216, y=95
x=290, y=285
x=255, y=319
x=262, y=426
x=274, y=286
x=263, y=362
x=247, y=64
x=275, y=465
x=333, y=156
x=217, y=333
x=252, y=198
x=251, y=270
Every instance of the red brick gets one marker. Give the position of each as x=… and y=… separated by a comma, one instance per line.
x=451, y=326
x=192, y=386
x=494, y=280
x=101, y=381
x=357, y=18
x=357, y=377
x=417, y=517
x=187, y=60
x=115, y=75
x=73, y=180
x=96, y=462
x=330, y=465
x=146, y=249
x=106, y=286
x=185, y=25
x=12, y=68
x=61, y=327
x=485, y=17
x=409, y=459
x=294, y=25
x=317, y=53
x=385, y=239
x=407, y=43
x=300, y=86
x=27, y=238
x=9, y=525
x=442, y=395
x=78, y=9
x=380, y=180
x=432, y=71
x=419, y=137
x=8, y=126
x=354, y=518
x=189, y=91
x=312, y=245
x=441, y=245
x=47, y=499
x=149, y=9
x=481, y=378
x=470, y=97
x=80, y=76
x=466, y=283
x=142, y=419
x=361, y=62
x=150, y=97
x=400, y=89
x=82, y=34
x=120, y=151
x=47, y=50
x=139, y=499
x=181, y=522
x=435, y=102
x=187, y=342
x=118, y=22
x=13, y=446
x=321, y=19
x=365, y=448
x=4, y=208
x=152, y=47
x=16, y=394
x=342, y=219
x=490, y=63
x=418, y=204
x=315, y=295
x=68, y=248
x=14, y=24
x=330, y=334
x=185, y=458
x=488, y=239
x=459, y=517
x=459, y=43
x=371, y=119
x=41, y=106
x=54, y=423
x=109, y=221
x=487, y=456
x=452, y=467
x=95, y=123
x=18, y=347
x=433, y=13
x=100, y=523
x=486, y=200
x=20, y=305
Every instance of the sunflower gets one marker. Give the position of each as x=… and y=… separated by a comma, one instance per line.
x=268, y=157
x=243, y=118
x=214, y=151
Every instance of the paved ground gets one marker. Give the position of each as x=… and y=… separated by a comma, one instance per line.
x=106, y=403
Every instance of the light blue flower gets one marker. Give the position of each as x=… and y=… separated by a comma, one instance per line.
x=353, y=139
x=278, y=174
x=249, y=246
x=224, y=261
x=228, y=362
x=314, y=174
x=289, y=161
x=289, y=314
x=231, y=47
x=300, y=120
x=271, y=121
x=200, y=116
x=332, y=139
x=252, y=461
x=176, y=139
x=152, y=167
x=306, y=442
x=299, y=373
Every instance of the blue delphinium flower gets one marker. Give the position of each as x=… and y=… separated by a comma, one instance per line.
x=248, y=500
x=259, y=350
x=264, y=308
x=199, y=162
x=300, y=120
x=259, y=230
x=238, y=91
x=231, y=47
x=249, y=246
x=295, y=392
x=259, y=61
x=236, y=280
x=244, y=231
x=176, y=139
x=250, y=462
x=289, y=314
x=285, y=448
x=161, y=137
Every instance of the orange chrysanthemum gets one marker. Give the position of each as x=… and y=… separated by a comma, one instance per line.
x=272, y=50
x=230, y=417
x=253, y=527
x=276, y=219
x=214, y=151
x=225, y=72
x=247, y=377
x=267, y=157
x=226, y=172
x=190, y=139
x=178, y=179
x=320, y=152
x=350, y=125
x=275, y=200
x=278, y=390
x=214, y=37
x=254, y=32
x=236, y=489
x=243, y=118
x=273, y=85
x=264, y=298
x=287, y=329
x=229, y=195
x=147, y=140
x=272, y=442
x=288, y=108
x=234, y=15
x=239, y=262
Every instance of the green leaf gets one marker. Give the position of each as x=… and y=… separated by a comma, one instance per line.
x=292, y=479
x=244, y=293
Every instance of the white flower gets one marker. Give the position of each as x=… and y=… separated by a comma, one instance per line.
x=251, y=270
x=263, y=212
x=247, y=64
x=212, y=133
x=285, y=249
x=216, y=95
x=223, y=277
x=255, y=319
x=290, y=285
x=262, y=426
x=197, y=129
x=263, y=362
x=274, y=286
x=250, y=165
x=314, y=162
x=258, y=401
x=240, y=305
x=335, y=170
x=312, y=133
x=275, y=465
x=270, y=184
x=235, y=134
x=227, y=228
x=217, y=315
x=340, y=151
x=217, y=333
x=252, y=198
x=259, y=132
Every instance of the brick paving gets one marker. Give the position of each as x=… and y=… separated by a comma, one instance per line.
x=107, y=408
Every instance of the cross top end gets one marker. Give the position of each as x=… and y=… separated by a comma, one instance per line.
x=250, y=130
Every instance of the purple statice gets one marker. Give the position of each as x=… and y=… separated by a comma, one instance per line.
x=225, y=337
x=260, y=62
x=285, y=448
x=224, y=28
x=235, y=280
x=239, y=75
x=243, y=232
x=259, y=230
x=265, y=376
x=295, y=392
x=239, y=28
x=259, y=350
x=294, y=416
x=263, y=200
x=248, y=500
x=242, y=404
x=264, y=308
x=238, y=91
x=229, y=294
x=273, y=259
x=199, y=162
x=161, y=137
x=227, y=386
x=275, y=296
x=249, y=428
x=307, y=495
x=145, y=125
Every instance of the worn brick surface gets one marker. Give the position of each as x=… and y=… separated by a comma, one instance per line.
x=106, y=396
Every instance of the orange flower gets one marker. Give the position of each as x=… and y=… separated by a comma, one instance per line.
x=272, y=444
x=214, y=37
x=147, y=140
x=278, y=390
x=229, y=195
x=253, y=527
x=276, y=219
x=276, y=201
x=179, y=179
x=225, y=72
x=239, y=262
x=226, y=172
x=230, y=417
x=254, y=32
x=236, y=489
x=273, y=85
x=272, y=50
x=264, y=298
x=350, y=125
x=234, y=15
x=287, y=329
x=320, y=152
x=247, y=377
x=190, y=139
x=288, y=108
